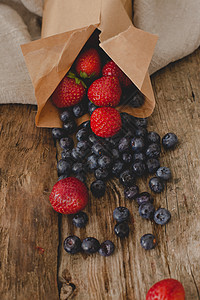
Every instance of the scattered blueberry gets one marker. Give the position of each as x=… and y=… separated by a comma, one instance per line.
x=156, y=185
x=124, y=144
x=138, y=144
x=139, y=156
x=80, y=219
x=169, y=140
x=83, y=145
x=91, y=107
x=137, y=100
x=115, y=153
x=98, y=188
x=117, y=168
x=127, y=178
x=98, y=149
x=153, y=151
x=101, y=174
x=66, y=143
x=139, y=168
x=75, y=154
x=63, y=166
x=148, y=241
x=152, y=165
x=162, y=216
x=90, y=245
x=72, y=244
x=121, y=230
x=66, y=116
x=105, y=162
x=131, y=192
x=106, y=248
x=127, y=158
x=121, y=214
x=153, y=137
x=141, y=132
x=82, y=134
x=70, y=126
x=146, y=210
x=143, y=198
x=140, y=122
x=92, y=163
x=58, y=133
x=65, y=154
x=78, y=167
x=164, y=173
x=81, y=176
x=79, y=109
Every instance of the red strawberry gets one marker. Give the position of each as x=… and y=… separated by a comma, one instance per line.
x=167, y=289
x=105, y=91
x=88, y=64
x=69, y=92
x=69, y=195
x=111, y=69
x=105, y=121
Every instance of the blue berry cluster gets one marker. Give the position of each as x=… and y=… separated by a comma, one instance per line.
x=132, y=153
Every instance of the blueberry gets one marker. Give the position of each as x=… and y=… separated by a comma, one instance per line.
x=72, y=244
x=83, y=145
x=105, y=162
x=65, y=154
x=82, y=134
x=139, y=156
x=169, y=140
x=140, y=122
x=153, y=137
x=98, y=149
x=80, y=219
x=81, y=176
x=137, y=100
x=126, y=178
x=156, y=185
x=85, y=125
x=128, y=121
x=106, y=248
x=153, y=151
x=164, y=173
x=70, y=126
x=66, y=143
x=75, y=154
x=124, y=145
x=146, y=210
x=79, y=109
x=115, y=153
x=127, y=158
x=148, y=241
x=138, y=144
x=91, y=107
x=152, y=165
x=121, y=214
x=63, y=176
x=63, y=167
x=131, y=192
x=121, y=229
x=117, y=168
x=139, y=168
x=66, y=116
x=101, y=174
x=143, y=198
x=93, y=138
x=162, y=216
x=98, y=188
x=58, y=133
x=141, y=132
x=77, y=167
x=90, y=245
x=92, y=162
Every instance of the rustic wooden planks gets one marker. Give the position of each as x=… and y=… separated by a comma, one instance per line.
x=28, y=225
x=131, y=271
x=32, y=234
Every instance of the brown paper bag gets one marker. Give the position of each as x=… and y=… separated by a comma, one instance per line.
x=67, y=25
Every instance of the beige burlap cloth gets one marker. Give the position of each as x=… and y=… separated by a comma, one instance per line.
x=176, y=22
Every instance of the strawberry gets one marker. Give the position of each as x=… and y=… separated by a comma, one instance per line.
x=167, y=289
x=69, y=195
x=69, y=92
x=88, y=64
x=105, y=121
x=105, y=91
x=111, y=69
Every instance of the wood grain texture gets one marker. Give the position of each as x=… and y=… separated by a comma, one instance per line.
x=28, y=225
x=131, y=271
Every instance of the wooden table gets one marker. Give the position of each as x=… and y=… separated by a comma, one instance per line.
x=33, y=264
